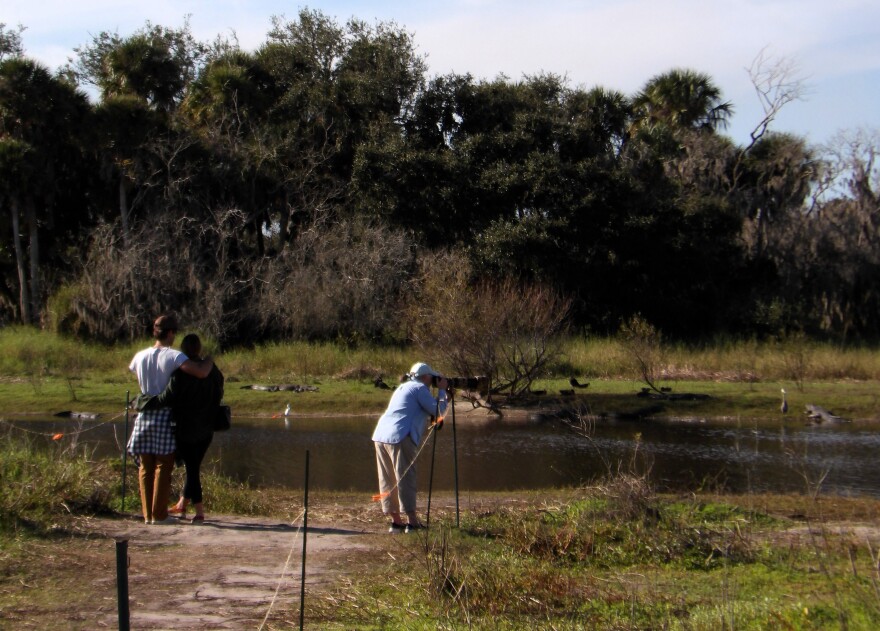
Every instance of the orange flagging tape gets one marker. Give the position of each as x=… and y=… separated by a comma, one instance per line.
x=378, y=496
x=57, y=436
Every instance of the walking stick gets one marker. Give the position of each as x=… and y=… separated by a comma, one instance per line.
x=125, y=446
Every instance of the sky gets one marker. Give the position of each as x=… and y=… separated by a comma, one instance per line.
x=832, y=47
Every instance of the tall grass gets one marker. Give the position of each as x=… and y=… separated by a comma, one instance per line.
x=26, y=352
x=727, y=360
x=299, y=360
x=45, y=481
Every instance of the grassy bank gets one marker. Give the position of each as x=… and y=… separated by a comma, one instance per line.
x=45, y=483
x=611, y=555
x=42, y=373
x=617, y=556
x=31, y=354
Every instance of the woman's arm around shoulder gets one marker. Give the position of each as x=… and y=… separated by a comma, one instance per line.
x=200, y=369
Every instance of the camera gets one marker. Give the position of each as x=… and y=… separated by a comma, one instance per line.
x=462, y=383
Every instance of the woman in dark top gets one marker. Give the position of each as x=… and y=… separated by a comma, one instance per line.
x=194, y=404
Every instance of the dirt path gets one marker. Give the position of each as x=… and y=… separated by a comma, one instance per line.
x=224, y=574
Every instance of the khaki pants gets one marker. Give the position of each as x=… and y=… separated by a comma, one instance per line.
x=393, y=463
x=154, y=476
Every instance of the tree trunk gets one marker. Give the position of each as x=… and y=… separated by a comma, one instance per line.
x=24, y=300
x=123, y=210
x=31, y=218
x=284, y=223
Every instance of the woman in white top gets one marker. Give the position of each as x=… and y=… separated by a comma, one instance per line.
x=152, y=439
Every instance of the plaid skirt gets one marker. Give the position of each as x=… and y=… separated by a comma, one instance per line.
x=153, y=433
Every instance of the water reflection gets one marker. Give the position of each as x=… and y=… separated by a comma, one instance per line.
x=677, y=456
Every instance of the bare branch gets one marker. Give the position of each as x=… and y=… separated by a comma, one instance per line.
x=777, y=82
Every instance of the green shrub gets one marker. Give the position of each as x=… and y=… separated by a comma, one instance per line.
x=42, y=485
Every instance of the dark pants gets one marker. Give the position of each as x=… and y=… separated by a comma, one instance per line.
x=192, y=455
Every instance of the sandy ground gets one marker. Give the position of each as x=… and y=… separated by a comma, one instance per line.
x=224, y=574
x=230, y=572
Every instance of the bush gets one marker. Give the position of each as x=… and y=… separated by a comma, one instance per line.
x=159, y=267
x=335, y=281
x=505, y=330
x=341, y=282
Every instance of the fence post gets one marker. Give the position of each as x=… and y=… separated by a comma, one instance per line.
x=455, y=462
x=122, y=583
x=125, y=446
x=302, y=589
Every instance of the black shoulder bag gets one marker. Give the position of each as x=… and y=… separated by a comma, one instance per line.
x=223, y=419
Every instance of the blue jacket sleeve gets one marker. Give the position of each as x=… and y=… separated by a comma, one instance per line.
x=429, y=404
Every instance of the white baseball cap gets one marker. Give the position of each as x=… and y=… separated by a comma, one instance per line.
x=420, y=370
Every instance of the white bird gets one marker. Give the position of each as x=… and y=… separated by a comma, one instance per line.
x=285, y=415
x=784, y=406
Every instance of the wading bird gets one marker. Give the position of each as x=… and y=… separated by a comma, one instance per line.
x=784, y=406
x=285, y=415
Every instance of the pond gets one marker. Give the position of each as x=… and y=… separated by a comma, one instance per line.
x=676, y=455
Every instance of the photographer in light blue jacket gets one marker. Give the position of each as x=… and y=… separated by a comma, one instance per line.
x=397, y=437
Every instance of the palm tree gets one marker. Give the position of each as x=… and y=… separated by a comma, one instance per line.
x=155, y=64
x=597, y=121
x=13, y=155
x=681, y=99
x=124, y=125
x=142, y=79
x=40, y=116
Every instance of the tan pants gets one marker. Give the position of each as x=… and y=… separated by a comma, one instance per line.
x=393, y=463
x=154, y=476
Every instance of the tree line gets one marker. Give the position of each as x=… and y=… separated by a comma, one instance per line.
x=323, y=185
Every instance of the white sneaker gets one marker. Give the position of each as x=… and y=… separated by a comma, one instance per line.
x=397, y=529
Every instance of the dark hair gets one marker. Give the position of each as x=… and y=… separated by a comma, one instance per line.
x=163, y=325
x=191, y=345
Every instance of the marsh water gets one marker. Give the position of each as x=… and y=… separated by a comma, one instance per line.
x=676, y=455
